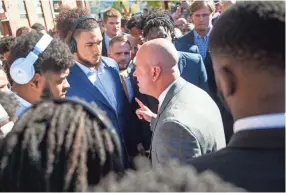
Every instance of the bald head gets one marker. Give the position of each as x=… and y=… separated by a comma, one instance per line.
x=156, y=66
x=181, y=21
x=159, y=52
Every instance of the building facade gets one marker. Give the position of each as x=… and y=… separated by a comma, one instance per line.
x=18, y=13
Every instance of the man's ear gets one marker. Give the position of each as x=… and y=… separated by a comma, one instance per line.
x=37, y=81
x=227, y=82
x=156, y=73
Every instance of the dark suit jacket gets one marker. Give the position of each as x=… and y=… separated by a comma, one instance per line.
x=186, y=44
x=253, y=160
x=121, y=118
x=103, y=49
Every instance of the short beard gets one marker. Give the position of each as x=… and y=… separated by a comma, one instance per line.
x=46, y=93
x=86, y=62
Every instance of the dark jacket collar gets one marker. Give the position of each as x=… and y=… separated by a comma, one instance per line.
x=259, y=139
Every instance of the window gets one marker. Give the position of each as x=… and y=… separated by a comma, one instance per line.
x=39, y=10
x=22, y=9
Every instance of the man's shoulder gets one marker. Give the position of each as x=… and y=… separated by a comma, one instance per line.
x=185, y=38
x=190, y=57
x=109, y=62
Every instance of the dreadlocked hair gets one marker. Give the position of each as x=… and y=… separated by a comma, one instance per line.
x=57, y=147
x=159, y=22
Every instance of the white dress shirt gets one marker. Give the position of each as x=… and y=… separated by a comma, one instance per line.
x=128, y=83
x=23, y=105
x=268, y=121
x=100, y=78
x=164, y=93
x=106, y=41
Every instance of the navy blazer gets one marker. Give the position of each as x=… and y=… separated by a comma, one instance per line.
x=186, y=44
x=81, y=87
x=193, y=70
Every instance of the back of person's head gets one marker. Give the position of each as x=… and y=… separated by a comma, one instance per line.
x=111, y=12
x=249, y=58
x=171, y=177
x=21, y=31
x=38, y=27
x=124, y=20
x=67, y=18
x=55, y=58
x=5, y=44
x=59, y=145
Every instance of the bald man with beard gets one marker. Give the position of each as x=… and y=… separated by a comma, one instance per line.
x=188, y=123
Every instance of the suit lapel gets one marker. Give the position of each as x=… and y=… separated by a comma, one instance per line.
x=180, y=82
x=88, y=86
x=104, y=50
x=116, y=86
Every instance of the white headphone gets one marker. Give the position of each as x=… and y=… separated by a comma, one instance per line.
x=22, y=70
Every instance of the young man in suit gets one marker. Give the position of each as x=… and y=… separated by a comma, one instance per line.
x=249, y=64
x=188, y=123
x=202, y=14
x=120, y=51
x=41, y=78
x=95, y=78
x=112, y=28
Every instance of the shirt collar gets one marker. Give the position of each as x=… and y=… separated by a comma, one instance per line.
x=164, y=93
x=269, y=121
x=198, y=35
x=22, y=101
x=88, y=71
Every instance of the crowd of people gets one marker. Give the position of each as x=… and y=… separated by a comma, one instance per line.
x=187, y=99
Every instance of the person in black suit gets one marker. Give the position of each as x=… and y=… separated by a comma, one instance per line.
x=202, y=12
x=249, y=64
x=120, y=51
x=112, y=28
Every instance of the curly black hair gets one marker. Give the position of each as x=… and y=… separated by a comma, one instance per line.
x=254, y=32
x=9, y=103
x=158, y=21
x=58, y=147
x=5, y=44
x=56, y=58
x=67, y=18
x=171, y=177
x=134, y=21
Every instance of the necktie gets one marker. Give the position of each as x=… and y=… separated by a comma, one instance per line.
x=124, y=86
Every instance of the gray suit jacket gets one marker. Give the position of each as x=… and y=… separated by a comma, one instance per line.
x=188, y=125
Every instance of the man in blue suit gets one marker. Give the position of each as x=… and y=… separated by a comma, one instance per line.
x=95, y=78
x=202, y=12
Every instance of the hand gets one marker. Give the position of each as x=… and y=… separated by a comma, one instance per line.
x=144, y=112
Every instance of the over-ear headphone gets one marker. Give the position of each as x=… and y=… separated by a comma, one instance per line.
x=97, y=115
x=22, y=70
x=73, y=44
